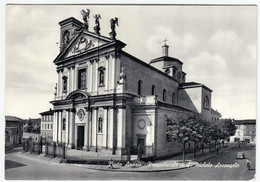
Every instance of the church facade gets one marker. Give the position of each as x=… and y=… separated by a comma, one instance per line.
x=107, y=99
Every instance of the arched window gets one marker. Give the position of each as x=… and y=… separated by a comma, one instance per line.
x=140, y=87
x=173, y=98
x=164, y=95
x=100, y=125
x=153, y=90
x=101, y=73
x=63, y=124
x=206, y=102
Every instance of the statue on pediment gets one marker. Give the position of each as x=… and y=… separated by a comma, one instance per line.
x=85, y=16
x=97, y=27
x=113, y=22
x=122, y=75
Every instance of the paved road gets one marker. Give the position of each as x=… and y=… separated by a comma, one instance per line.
x=33, y=169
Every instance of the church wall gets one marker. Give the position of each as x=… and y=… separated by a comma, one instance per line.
x=159, y=65
x=136, y=71
x=143, y=125
x=206, y=113
x=164, y=147
x=190, y=98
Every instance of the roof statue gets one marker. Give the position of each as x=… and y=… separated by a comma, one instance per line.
x=113, y=22
x=97, y=27
x=85, y=16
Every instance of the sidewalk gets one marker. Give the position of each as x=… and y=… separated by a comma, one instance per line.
x=172, y=163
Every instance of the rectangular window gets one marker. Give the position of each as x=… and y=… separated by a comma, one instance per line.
x=51, y=126
x=82, y=79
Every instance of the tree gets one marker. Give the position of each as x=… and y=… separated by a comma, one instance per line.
x=228, y=128
x=29, y=128
x=184, y=129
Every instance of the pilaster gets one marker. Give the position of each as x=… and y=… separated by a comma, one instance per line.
x=107, y=73
x=121, y=124
x=91, y=76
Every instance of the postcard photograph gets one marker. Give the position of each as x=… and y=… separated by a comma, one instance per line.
x=130, y=92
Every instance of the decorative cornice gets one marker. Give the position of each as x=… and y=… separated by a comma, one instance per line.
x=95, y=107
x=91, y=61
x=60, y=70
x=121, y=107
x=87, y=108
x=107, y=56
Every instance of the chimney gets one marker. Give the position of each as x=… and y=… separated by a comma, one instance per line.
x=165, y=49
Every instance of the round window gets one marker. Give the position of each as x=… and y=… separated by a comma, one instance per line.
x=141, y=124
x=81, y=114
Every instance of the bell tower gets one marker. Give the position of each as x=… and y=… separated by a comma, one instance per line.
x=68, y=28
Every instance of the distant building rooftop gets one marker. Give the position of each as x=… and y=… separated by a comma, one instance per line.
x=245, y=121
x=193, y=85
x=37, y=120
x=12, y=118
x=50, y=112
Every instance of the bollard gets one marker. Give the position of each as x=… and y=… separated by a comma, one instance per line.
x=23, y=145
x=46, y=148
x=54, y=149
x=26, y=145
x=32, y=149
x=63, y=151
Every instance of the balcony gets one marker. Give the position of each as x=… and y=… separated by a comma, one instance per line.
x=146, y=100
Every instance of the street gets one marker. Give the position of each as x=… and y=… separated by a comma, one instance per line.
x=17, y=167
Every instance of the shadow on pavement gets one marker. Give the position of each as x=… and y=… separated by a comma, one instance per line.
x=11, y=164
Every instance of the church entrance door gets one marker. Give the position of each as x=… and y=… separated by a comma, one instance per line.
x=140, y=147
x=80, y=141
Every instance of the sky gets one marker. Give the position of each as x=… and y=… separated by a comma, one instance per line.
x=217, y=45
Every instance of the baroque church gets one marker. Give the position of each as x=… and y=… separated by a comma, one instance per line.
x=107, y=99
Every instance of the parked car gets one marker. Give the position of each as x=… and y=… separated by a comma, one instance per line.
x=241, y=155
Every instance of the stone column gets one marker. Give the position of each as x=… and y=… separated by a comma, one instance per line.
x=90, y=128
x=94, y=128
x=96, y=75
x=57, y=126
x=107, y=73
x=59, y=85
x=105, y=127
x=73, y=79
x=121, y=123
x=54, y=137
x=110, y=127
x=67, y=127
x=113, y=74
x=69, y=81
x=85, y=147
x=60, y=128
x=71, y=129
x=91, y=77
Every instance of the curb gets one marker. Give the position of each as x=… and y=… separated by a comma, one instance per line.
x=122, y=170
x=159, y=170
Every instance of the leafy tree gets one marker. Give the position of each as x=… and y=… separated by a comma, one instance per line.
x=228, y=128
x=29, y=128
x=185, y=129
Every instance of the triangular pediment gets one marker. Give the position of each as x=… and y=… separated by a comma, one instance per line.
x=84, y=42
